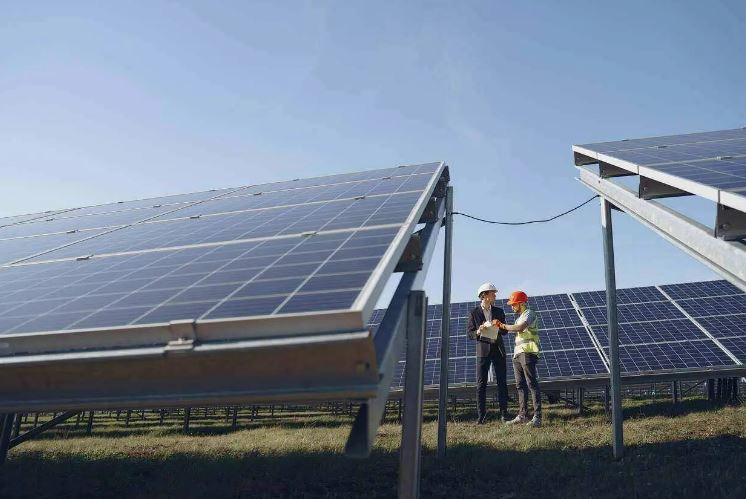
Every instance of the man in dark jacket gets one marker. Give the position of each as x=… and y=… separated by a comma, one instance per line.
x=489, y=351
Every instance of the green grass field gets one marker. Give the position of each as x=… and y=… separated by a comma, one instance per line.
x=693, y=449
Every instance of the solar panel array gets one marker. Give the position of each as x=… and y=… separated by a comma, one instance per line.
x=713, y=159
x=300, y=246
x=661, y=329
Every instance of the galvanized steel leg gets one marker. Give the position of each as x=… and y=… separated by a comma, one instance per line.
x=445, y=329
x=411, y=435
x=581, y=393
x=611, y=311
x=6, y=426
x=89, y=427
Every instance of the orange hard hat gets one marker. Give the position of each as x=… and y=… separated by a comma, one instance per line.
x=517, y=297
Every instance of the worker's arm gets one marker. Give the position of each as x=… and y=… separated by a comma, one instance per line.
x=515, y=328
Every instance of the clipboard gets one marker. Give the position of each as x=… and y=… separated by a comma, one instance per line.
x=491, y=333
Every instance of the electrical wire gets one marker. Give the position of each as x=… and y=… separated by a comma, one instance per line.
x=529, y=221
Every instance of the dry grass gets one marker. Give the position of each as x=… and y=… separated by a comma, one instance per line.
x=693, y=449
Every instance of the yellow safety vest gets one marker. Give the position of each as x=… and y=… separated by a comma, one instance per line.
x=527, y=341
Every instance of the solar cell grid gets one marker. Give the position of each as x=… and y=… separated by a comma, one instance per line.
x=634, y=313
x=737, y=346
x=12, y=250
x=305, y=196
x=666, y=356
x=652, y=332
x=558, y=319
x=700, y=289
x=549, y=302
x=564, y=339
x=571, y=363
x=624, y=296
x=205, y=282
x=725, y=326
x=246, y=225
x=704, y=307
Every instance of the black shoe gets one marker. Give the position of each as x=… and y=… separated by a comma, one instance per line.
x=504, y=417
x=482, y=420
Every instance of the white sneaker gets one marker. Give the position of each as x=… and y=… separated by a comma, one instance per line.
x=534, y=423
x=517, y=420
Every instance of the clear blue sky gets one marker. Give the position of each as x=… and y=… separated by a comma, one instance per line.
x=101, y=103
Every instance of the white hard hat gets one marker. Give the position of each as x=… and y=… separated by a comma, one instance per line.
x=487, y=286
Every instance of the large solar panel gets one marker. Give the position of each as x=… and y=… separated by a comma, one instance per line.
x=702, y=163
x=310, y=248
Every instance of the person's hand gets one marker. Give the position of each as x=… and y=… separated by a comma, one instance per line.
x=482, y=327
x=497, y=323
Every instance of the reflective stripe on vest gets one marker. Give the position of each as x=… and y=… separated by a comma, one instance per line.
x=527, y=341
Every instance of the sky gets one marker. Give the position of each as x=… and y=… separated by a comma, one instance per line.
x=100, y=103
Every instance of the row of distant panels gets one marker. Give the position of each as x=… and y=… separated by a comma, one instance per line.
x=212, y=203
x=654, y=336
x=587, y=363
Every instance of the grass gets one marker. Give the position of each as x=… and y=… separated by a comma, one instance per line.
x=693, y=449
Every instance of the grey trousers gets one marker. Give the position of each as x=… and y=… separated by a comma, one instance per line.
x=526, y=378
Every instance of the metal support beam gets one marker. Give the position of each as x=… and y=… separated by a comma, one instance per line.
x=42, y=428
x=652, y=189
x=726, y=258
x=6, y=426
x=730, y=224
x=411, y=435
x=611, y=310
x=581, y=396
x=388, y=341
x=445, y=329
x=675, y=391
x=89, y=426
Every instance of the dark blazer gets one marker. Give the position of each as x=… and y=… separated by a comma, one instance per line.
x=484, y=346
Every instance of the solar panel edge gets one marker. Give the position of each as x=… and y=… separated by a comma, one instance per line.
x=366, y=300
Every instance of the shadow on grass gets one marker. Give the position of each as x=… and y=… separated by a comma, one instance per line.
x=691, y=468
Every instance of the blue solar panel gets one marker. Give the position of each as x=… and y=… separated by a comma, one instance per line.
x=725, y=326
x=558, y=319
x=273, y=222
x=634, y=313
x=703, y=307
x=550, y=302
x=563, y=339
x=669, y=356
x=235, y=280
x=652, y=332
x=624, y=296
x=713, y=159
x=700, y=289
x=737, y=346
x=571, y=363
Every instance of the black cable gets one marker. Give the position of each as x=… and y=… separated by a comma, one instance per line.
x=530, y=221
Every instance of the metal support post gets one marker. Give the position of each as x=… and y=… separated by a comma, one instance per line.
x=606, y=399
x=6, y=425
x=611, y=311
x=234, y=421
x=581, y=394
x=411, y=436
x=16, y=426
x=711, y=390
x=187, y=417
x=89, y=427
x=675, y=391
x=445, y=328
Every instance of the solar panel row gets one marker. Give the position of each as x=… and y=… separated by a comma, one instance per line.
x=654, y=335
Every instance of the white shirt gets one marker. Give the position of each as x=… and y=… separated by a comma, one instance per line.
x=487, y=312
